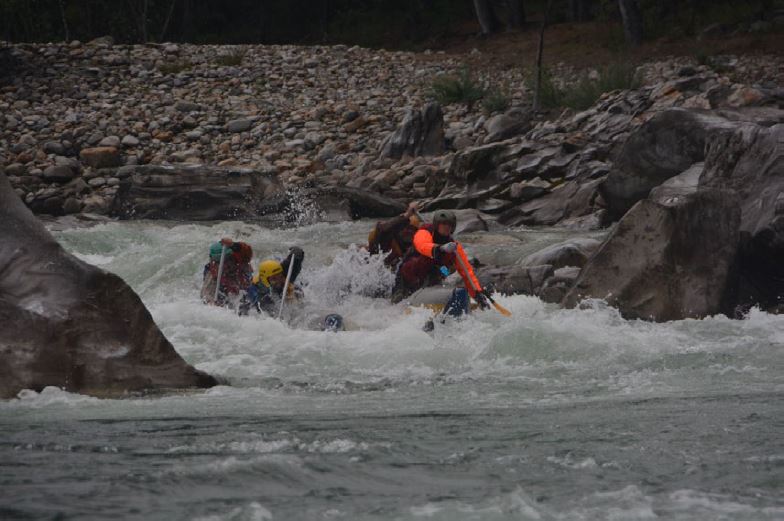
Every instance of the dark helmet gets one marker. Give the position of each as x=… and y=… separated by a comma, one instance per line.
x=445, y=216
x=333, y=322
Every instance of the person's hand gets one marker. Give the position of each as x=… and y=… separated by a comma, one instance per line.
x=481, y=299
x=226, y=242
x=449, y=247
x=412, y=209
x=297, y=252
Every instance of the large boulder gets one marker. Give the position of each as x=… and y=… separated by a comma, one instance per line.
x=196, y=192
x=420, y=134
x=72, y=325
x=750, y=162
x=669, y=258
x=666, y=145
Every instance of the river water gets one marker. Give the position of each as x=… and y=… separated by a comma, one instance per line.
x=551, y=415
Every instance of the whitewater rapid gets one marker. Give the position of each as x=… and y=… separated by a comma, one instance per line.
x=553, y=414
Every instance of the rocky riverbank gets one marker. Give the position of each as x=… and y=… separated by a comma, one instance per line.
x=77, y=118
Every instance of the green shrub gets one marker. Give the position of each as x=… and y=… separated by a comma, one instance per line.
x=495, y=100
x=175, y=67
x=586, y=91
x=550, y=94
x=231, y=60
x=447, y=89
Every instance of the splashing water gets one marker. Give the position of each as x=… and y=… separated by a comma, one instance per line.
x=553, y=414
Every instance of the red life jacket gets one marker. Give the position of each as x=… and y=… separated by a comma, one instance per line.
x=419, y=269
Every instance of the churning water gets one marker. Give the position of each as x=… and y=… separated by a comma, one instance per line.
x=551, y=415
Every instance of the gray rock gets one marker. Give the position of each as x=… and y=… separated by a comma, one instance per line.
x=196, y=192
x=556, y=287
x=667, y=260
x=750, y=162
x=71, y=205
x=54, y=147
x=71, y=325
x=663, y=147
x=59, y=174
x=130, y=141
x=513, y=122
x=515, y=280
x=572, y=252
x=420, y=134
x=110, y=141
x=187, y=106
x=239, y=125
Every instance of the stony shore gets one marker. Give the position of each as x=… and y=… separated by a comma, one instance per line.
x=72, y=114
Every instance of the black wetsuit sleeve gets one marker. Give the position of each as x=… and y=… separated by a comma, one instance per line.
x=297, y=257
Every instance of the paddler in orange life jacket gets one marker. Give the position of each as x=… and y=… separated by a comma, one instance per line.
x=433, y=257
x=395, y=236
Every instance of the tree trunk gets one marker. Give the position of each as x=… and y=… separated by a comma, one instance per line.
x=516, y=13
x=579, y=10
x=143, y=21
x=65, y=21
x=539, y=52
x=486, y=16
x=168, y=20
x=632, y=21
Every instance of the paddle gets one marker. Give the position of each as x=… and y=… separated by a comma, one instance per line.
x=495, y=304
x=286, y=288
x=220, y=272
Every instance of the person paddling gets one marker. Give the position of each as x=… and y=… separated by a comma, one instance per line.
x=232, y=260
x=265, y=294
x=433, y=257
x=395, y=236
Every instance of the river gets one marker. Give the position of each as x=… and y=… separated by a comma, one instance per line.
x=550, y=415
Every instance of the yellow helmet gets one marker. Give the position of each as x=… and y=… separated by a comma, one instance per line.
x=267, y=269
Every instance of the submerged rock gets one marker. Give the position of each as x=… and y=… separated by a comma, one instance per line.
x=71, y=325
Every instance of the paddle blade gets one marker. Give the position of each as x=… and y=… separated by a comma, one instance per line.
x=501, y=309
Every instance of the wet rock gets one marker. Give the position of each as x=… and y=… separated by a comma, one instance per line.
x=665, y=146
x=195, y=192
x=420, y=134
x=556, y=287
x=750, y=162
x=71, y=325
x=515, y=280
x=667, y=259
x=573, y=252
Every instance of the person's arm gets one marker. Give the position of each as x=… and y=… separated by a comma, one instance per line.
x=423, y=242
x=296, y=255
